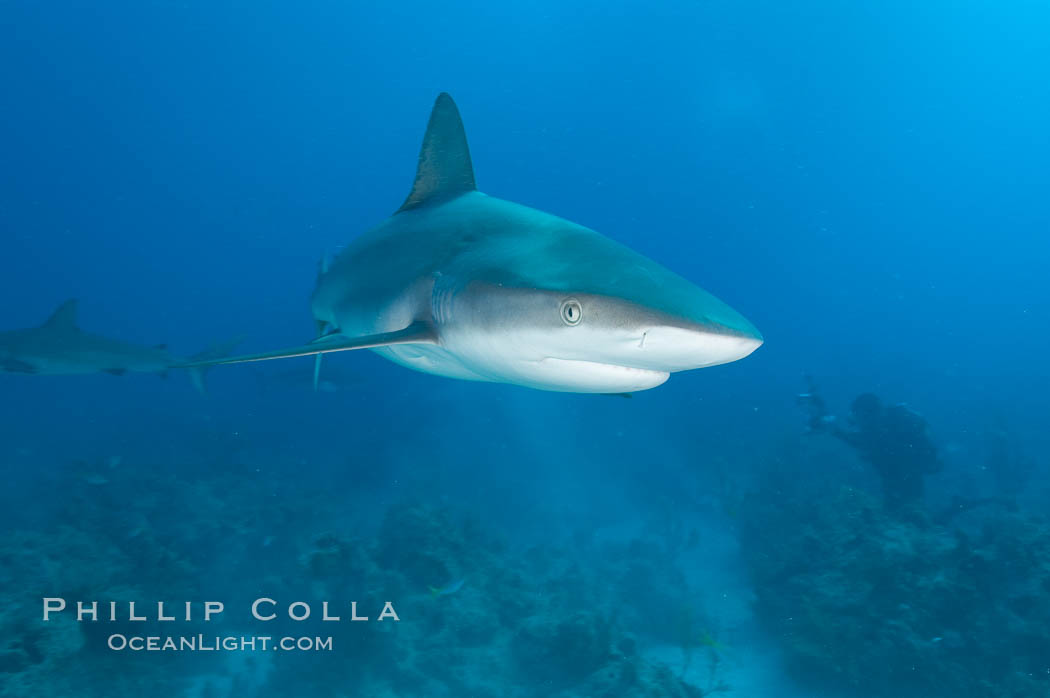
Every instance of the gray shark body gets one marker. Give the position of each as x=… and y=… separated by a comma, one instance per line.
x=60, y=348
x=464, y=285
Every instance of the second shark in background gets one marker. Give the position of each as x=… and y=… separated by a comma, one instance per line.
x=60, y=348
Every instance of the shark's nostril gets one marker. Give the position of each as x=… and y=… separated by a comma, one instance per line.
x=641, y=344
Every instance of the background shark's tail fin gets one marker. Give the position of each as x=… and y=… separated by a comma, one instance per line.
x=215, y=351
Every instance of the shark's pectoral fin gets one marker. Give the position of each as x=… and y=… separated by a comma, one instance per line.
x=317, y=370
x=416, y=333
x=322, y=334
x=444, y=170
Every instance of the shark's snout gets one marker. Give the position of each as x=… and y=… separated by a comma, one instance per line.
x=588, y=342
x=684, y=347
x=664, y=336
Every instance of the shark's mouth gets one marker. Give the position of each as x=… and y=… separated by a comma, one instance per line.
x=593, y=376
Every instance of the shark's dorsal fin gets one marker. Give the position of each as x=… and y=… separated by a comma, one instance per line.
x=64, y=318
x=444, y=170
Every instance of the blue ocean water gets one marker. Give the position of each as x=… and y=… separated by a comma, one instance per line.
x=867, y=183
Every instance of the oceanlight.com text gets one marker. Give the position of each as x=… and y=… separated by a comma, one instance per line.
x=216, y=643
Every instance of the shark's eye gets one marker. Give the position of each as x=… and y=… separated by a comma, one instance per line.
x=571, y=312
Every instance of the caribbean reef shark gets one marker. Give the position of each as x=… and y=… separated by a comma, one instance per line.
x=465, y=285
x=60, y=347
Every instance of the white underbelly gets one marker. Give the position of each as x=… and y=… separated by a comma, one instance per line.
x=430, y=358
x=560, y=375
x=569, y=375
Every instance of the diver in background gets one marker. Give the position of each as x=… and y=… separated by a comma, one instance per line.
x=894, y=439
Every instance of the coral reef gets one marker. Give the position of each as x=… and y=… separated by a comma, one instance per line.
x=885, y=605
x=516, y=627
x=478, y=616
